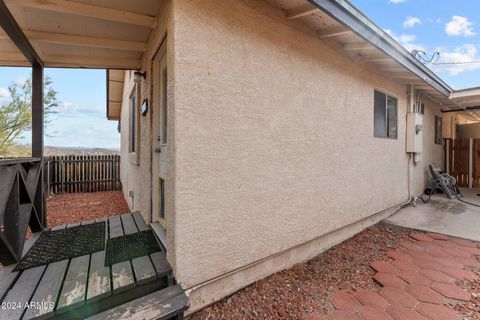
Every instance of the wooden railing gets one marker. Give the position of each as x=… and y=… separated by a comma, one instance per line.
x=21, y=204
x=82, y=173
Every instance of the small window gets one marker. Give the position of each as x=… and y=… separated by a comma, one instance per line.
x=162, y=198
x=133, y=121
x=421, y=108
x=164, y=106
x=385, y=116
x=438, y=130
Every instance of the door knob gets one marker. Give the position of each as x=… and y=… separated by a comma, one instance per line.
x=158, y=150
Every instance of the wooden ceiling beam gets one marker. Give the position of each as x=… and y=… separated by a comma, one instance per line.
x=87, y=41
x=396, y=69
x=13, y=59
x=408, y=79
x=357, y=46
x=380, y=60
x=76, y=40
x=300, y=11
x=88, y=10
x=333, y=32
x=15, y=33
x=73, y=61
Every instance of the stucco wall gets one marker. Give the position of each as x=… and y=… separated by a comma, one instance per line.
x=431, y=152
x=270, y=139
x=274, y=138
x=136, y=171
x=471, y=130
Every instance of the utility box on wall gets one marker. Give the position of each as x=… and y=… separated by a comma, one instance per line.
x=414, y=132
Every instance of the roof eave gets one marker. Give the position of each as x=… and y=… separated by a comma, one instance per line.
x=345, y=13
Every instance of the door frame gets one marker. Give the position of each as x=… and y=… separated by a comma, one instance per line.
x=158, y=62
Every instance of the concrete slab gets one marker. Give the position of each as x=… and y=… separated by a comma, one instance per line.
x=450, y=217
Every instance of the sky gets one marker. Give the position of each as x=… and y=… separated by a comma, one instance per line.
x=451, y=28
x=81, y=119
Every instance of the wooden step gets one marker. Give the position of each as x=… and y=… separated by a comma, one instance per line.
x=168, y=303
x=160, y=233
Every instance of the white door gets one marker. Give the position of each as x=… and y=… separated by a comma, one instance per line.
x=160, y=138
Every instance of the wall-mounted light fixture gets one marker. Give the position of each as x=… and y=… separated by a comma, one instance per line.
x=137, y=76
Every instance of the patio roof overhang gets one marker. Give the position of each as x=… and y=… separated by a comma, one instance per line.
x=115, y=80
x=113, y=35
x=468, y=103
x=100, y=34
x=105, y=34
x=342, y=25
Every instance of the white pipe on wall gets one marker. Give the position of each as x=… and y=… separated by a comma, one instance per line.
x=470, y=163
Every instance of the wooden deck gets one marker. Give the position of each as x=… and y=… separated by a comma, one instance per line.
x=82, y=286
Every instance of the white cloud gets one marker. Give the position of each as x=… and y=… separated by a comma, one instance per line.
x=86, y=131
x=20, y=81
x=72, y=110
x=411, y=22
x=396, y=1
x=465, y=53
x=4, y=93
x=459, y=26
x=406, y=40
x=65, y=105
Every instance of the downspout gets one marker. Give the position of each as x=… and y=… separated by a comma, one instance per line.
x=411, y=160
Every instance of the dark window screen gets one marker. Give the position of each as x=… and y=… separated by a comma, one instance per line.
x=385, y=116
x=380, y=125
x=391, y=118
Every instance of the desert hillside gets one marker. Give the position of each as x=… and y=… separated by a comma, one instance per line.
x=25, y=151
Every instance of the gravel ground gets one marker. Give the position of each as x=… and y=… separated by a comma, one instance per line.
x=76, y=207
x=305, y=288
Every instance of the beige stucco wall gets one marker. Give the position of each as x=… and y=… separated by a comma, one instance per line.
x=470, y=130
x=271, y=145
x=431, y=152
x=274, y=138
x=136, y=170
x=134, y=166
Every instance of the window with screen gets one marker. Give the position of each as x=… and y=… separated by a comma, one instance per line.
x=162, y=198
x=385, y=116
x=164, y=107
x=133, y=121
x=421, y=108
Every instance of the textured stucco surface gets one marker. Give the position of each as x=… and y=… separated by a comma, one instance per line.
x=274, y=138
x=271, y=144
x=466, y=131
x=431, y=152
x=215, y=290
x=136, y=170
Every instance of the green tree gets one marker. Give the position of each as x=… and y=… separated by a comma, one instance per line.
x=16, y=115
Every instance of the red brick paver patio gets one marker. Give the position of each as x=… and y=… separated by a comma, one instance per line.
x=421, y=282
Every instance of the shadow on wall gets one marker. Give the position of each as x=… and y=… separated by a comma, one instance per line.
x=470, y=130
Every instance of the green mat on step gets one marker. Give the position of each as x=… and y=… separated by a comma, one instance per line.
x=57, y=245
x=130, y=246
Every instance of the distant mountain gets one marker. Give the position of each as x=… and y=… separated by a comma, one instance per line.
x=25, y=151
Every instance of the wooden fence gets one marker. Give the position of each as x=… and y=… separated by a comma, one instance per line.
x=462, y=161
x=82, y=173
